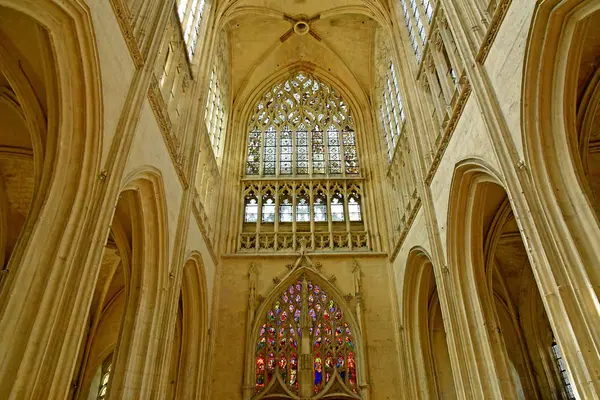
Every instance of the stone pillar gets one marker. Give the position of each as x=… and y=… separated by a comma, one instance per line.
x=305, y=374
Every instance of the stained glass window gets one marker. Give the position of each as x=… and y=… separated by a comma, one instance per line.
x=302, y=126
x=270, y=151
x=286, y=208
x=278, y=346
x=428, y=7
x=303, y=206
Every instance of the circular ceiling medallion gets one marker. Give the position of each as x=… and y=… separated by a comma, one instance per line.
x=301, y=27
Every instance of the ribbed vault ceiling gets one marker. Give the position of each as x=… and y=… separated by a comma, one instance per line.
x=262, y=39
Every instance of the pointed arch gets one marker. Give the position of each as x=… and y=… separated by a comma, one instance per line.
x=550, y=132
x=191, y=379
x=140, y=330
x=466, y=263
x=567, y=218
x=46, y=264
x=305, y=270
x=421, y=318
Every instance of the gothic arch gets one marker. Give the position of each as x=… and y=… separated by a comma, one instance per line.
x=496, y=290
x=550, y=127
x=353, y=95
x=69, y=154
x=191, y=379
x=553, y=145
x=247, y=97
x=148, y=274
x=303, y=269
x=421, y=321
x=485, y=363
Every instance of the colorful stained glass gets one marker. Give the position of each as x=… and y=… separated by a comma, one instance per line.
x=309, y=122
x=332, y=345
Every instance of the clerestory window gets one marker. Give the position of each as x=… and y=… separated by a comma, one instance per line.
x=391, y=110
x=302, y=185
x=302, y=127
x=190, y=16
x=416, y=23
x=305, y=310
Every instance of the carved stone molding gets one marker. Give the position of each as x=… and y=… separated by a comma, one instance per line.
x=124, y=19
x=492, y=31
x=463, y=96
x=159, y=108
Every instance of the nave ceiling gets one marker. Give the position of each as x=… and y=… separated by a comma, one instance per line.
x=262, y=40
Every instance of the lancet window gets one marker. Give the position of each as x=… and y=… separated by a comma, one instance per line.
x=305, y=310
x=302, y=127
x=391, y=110
x=190, y=15
x=215, y=113
x=302, y=183
x=418, y=15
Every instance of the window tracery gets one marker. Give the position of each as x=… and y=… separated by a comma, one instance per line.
x=302, y=180
x=305, y=310
x=302, y=127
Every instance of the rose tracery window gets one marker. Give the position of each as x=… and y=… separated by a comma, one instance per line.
x=304, y=309
x=302, y=127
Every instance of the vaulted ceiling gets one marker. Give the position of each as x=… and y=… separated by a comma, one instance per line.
x=338, y=37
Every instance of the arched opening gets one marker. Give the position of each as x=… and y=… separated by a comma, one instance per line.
x=126, y=309
x=190, y=342
x=107, y=310
x=503, y=315
x=424, y=326
x=26, y=85
x=304, y=343
x=50, y=107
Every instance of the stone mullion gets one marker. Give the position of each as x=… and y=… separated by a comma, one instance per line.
x=311, y=210
x=259, y=214
x=305, y=387
x=346, y=214
x=329, y=220
x=276, y=222
x=294, y=194
x=278, y=152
